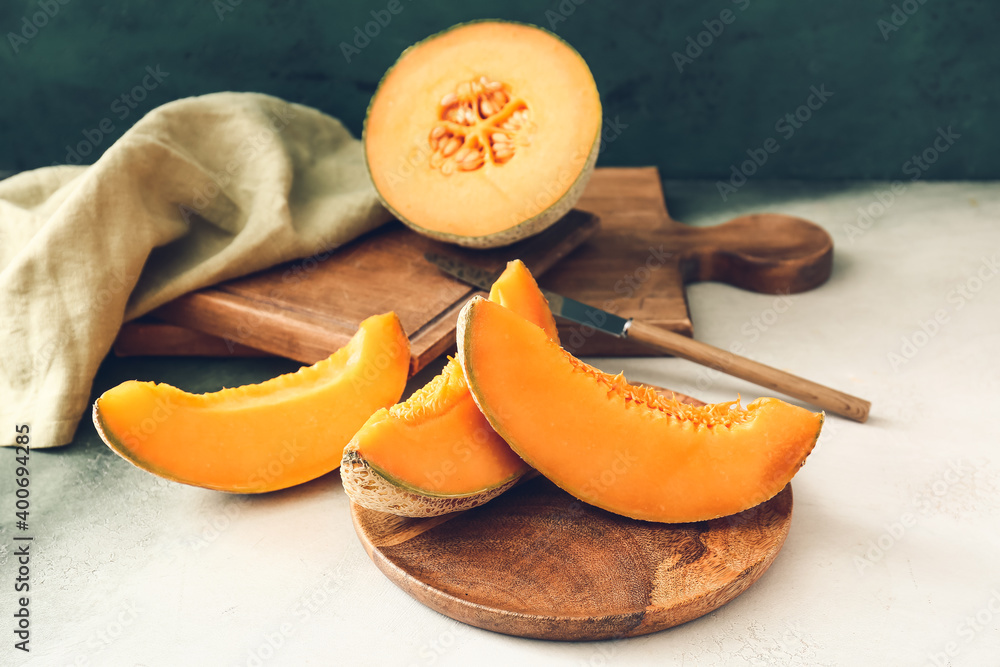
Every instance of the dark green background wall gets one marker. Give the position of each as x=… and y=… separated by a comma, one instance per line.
x=892, y=89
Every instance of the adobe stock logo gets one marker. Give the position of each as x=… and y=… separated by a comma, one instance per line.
x=122, y=107
x=959, y=296
x=381, y=18
x=915, y=168
x=714, y=27
x=968, y=629
x=30, y=26
x=786, y=125
x=898, y=18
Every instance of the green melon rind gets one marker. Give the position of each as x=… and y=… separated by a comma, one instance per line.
x=523, y=230
x=119, y=448
x=534, y=225
x=368, y=487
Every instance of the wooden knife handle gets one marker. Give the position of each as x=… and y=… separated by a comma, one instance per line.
x=813, y=393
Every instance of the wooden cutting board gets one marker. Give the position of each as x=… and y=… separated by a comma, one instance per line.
x=538, y=563
x=636, y=265
x=308, y=309
x=640, y=261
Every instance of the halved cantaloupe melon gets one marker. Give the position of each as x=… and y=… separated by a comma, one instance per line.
x=435, y=453
x=261, y=437
x=620, y=447
x=484, y=133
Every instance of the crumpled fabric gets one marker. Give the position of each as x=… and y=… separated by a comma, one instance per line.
x=200, y=190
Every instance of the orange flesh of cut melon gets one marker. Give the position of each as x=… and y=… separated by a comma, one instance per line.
x=620, y=447
x=437, y=442
x=262, y=437
x=484, y=133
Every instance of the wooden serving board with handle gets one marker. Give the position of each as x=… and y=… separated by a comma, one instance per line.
x=538, y=563
x=636, y=265
x=640, y=261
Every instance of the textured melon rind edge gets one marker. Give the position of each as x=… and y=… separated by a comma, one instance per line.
x=524, y=229
x=108, y=436
x=529, y=227
x=462, y=332
x=356, y=457
x=369, y=489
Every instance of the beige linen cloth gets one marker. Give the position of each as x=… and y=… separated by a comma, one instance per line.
x=200, y=190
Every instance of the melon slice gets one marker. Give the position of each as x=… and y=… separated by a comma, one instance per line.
x=621, y=447
x=262, y=437
x=484, y=133
x=435, y=453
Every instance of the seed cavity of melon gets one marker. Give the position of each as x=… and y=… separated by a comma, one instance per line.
x=724, y=415
x=621, y=447
x=434, y=397
x=483, y=134
x=481, y=122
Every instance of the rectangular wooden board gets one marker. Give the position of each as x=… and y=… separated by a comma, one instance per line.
x=625, y=267
x=307, y=309
x=315, y=310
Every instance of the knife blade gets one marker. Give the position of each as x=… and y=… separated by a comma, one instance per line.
x=665, y=341
x=561, y=306
x=471, y=275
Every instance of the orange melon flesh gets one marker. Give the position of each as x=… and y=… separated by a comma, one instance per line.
x=553, y=144
x=437, y=443
x=257, y=438
x=620, y=447
x=516, y=290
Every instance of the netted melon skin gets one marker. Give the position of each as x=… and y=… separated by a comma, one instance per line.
x=523, y=230
x=370, y=490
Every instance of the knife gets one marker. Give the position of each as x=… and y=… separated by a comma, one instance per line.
x=664, y=341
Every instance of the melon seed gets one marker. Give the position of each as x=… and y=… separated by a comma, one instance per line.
x=469, y=166
x=475, y=104
x=451, y=146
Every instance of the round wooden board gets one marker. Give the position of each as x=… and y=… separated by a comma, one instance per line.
x=538, y=563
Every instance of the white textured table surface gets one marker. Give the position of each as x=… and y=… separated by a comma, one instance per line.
x=893, y=556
